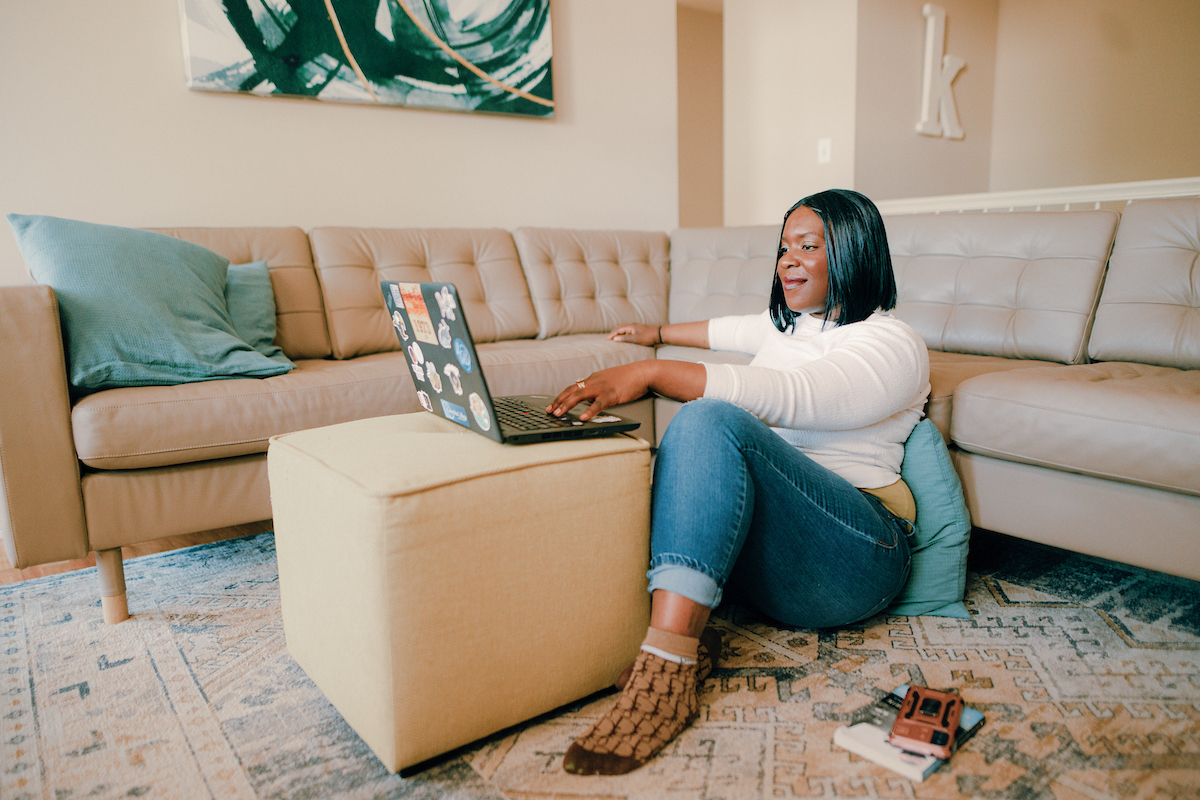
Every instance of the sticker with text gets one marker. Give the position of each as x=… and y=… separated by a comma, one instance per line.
x=418, y=312
x=455, y=413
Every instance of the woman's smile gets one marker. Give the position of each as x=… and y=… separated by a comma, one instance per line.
x=792, y=282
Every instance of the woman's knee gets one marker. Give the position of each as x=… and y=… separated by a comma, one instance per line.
x=706, y=417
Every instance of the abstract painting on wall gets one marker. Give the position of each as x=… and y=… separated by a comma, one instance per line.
x=462, y=55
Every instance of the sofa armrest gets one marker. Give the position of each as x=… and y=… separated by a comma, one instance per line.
x=42, y=517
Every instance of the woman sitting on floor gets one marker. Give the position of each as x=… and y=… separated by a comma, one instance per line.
x=782, y=481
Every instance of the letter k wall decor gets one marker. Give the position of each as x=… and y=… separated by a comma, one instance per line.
x=939, y=115
x=460, y=55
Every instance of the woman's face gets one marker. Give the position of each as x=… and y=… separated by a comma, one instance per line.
x=803, y=269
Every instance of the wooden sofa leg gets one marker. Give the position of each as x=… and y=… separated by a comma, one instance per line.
x=112, y=585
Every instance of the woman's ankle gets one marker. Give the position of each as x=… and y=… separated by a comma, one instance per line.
x=677, y=614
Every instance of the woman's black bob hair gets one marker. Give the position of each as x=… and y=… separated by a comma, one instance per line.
x=861, y=279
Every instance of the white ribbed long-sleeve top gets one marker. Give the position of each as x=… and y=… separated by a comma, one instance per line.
x=848, y=397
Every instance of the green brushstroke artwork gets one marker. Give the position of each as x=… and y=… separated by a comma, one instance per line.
x=462, y=55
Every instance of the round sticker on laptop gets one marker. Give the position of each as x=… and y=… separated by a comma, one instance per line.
x=463, y=354
x=480, y=412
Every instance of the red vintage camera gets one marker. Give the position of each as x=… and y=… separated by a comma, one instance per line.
x=927, y=722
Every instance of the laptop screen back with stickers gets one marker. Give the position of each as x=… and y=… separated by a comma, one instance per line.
x=429, y=321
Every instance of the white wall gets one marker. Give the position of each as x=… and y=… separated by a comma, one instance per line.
x=891, y=159
x=96, y=124
x=789, y=81
x=1095, y=91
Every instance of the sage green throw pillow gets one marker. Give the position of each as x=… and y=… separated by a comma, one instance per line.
x=943, y=531
x=251, y=304
x=138, y=308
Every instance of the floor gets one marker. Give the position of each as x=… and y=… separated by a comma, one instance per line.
x=9, y=574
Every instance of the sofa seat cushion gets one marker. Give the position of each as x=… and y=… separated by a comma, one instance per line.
x=154, y=426
x=948, y=370
x=1124, y=421
x=547, y=366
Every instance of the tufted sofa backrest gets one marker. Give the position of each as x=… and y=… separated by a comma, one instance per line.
x=1018, y=285
x=592, y=281
x=720, y=271
x=299, y=313
x=481, y=263
x=1150, y=309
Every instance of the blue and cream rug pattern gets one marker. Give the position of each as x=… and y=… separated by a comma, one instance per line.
x=1088, y=673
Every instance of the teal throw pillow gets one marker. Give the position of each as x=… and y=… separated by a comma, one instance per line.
x=251, y=304
x=138, y=308
x=943, y=531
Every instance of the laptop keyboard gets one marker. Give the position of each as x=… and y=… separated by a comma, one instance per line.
x=515, y=413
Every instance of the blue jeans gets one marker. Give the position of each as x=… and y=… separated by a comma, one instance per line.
x=733, y=503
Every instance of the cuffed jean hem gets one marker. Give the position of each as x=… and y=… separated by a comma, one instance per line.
x=687, y=581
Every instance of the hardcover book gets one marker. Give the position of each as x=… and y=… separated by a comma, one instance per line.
x=869, y=738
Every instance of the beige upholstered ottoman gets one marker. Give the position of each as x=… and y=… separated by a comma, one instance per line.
x=438, y=586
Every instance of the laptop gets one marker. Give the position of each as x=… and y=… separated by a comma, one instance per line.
x=432, y=328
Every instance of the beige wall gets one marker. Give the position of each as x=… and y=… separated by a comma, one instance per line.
x=1096, y=91
x=789, y=81
x=96, y=124
x=891, y=159
x=700, y=118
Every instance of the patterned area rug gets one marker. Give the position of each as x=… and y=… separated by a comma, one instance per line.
x=1088, y=673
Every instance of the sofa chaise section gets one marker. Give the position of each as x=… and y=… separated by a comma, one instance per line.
x=1104, y=458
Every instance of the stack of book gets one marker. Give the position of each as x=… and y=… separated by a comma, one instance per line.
x=869, y=738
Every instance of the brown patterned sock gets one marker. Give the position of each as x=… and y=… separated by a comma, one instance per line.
x=708, y=653
x=658, y=702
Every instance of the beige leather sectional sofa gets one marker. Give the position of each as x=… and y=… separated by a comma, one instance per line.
x=1068, y=379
